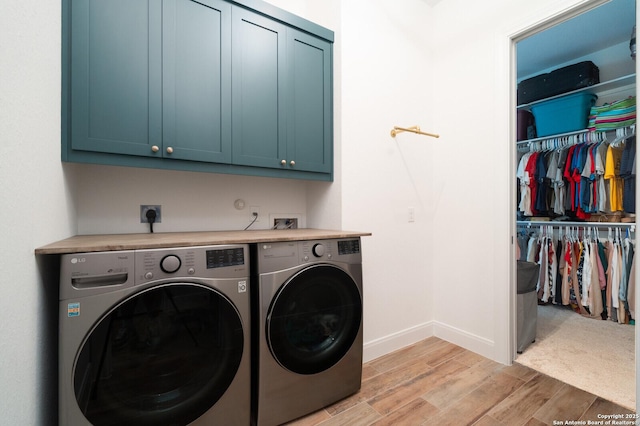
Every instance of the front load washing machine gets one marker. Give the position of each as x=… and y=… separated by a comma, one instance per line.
x=155, y=337
x=307, y=326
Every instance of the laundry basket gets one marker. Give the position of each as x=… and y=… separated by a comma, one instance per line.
x=527, y=303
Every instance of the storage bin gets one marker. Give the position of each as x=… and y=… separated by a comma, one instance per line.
x=527, y=304
x=526, y=125
x=562, y=115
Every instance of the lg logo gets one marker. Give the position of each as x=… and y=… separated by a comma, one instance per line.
x=75, y=260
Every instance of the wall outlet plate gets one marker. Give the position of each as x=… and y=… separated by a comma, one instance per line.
x=279, y=221
x=143, y=212
x=285, y=223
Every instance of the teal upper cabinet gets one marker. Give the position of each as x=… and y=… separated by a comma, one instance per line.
x=149, y=78
x=210, y=85
x=281, y=96
x=197, y=80
x=115, y=89
x=259, y=82
x=310, y=123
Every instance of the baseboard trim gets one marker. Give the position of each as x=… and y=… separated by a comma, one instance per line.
x=469, y=341
x=384, y=345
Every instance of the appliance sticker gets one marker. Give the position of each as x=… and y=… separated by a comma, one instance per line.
x=242, y=286
x=73, y=310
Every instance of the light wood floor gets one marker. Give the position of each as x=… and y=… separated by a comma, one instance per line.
x=435, y=382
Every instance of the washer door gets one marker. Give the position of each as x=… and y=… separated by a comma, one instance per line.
x=314, y=319
x=163, y=356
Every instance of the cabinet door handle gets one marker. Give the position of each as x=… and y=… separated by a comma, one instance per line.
x=155, y=148
x=283, y=162
x=292, y=163
x=169, y=150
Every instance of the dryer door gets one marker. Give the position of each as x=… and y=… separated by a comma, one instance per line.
x=163, y=356
x=314, y=319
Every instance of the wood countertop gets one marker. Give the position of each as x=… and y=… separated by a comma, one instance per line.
x=91, y=243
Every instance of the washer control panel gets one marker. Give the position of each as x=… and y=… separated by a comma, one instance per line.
x=228, y=261
x=316, y=250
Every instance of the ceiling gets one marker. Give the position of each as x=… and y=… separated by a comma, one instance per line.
x=591, y=31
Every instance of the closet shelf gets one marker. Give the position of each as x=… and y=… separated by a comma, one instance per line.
x=616, y=83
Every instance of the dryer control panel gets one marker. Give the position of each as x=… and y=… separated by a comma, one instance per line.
x=282, y=255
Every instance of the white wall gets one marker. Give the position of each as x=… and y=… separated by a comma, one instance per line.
x=387, y=80
x=36, y=208
x=474, y=179
x=109, y=200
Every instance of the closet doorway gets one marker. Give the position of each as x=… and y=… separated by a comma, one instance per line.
x=590, y=346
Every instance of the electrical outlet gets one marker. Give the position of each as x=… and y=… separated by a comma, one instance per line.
x=254, y=211
x=143, y=213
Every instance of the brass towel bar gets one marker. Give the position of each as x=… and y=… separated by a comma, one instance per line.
x=413, y=129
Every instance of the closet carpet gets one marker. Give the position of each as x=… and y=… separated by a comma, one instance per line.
x=434, y=382
x=592, y=355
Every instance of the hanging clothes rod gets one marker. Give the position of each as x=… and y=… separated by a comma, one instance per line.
x=558, y=224
x=565, y=140
x=412, y=129
x=545, y=138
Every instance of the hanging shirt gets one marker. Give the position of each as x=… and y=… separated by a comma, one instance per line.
x=584, y=274
x=543, y=278
x=610, y=254
x=603, y=194
x=525, y=190
x=552, y=262
x=601, y=261
x=533, y=183
x=579, y=161
x=567, y=275
x=586, y=187
x=595, y=294
x=627, y=256
x=532, y=250
x=541, y=206
x=628, y=175
x=612, y=174
x=615, y=275
x=571, y=187
x=557, y=183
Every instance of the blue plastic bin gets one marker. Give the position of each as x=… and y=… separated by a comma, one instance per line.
x=562, y=115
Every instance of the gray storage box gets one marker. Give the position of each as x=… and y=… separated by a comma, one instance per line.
x=527, y=302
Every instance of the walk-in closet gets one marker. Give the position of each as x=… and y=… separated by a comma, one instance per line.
x=576, y=214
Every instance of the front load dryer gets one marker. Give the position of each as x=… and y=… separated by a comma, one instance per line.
x=307, y=326
x=155, y=337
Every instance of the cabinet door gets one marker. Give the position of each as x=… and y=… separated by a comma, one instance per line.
x=116, y=76
x=310, y=112
x=197, y=80
x=259, y=78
